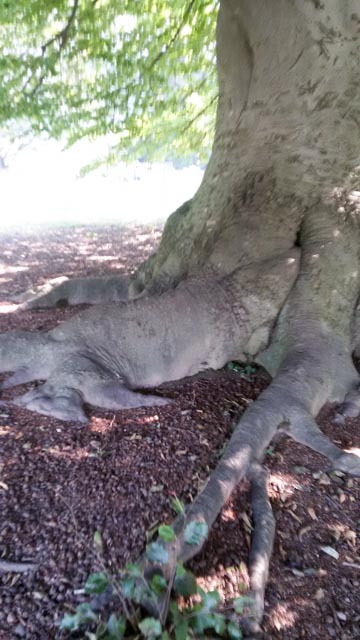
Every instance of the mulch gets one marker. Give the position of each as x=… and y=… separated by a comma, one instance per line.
x=60, y=483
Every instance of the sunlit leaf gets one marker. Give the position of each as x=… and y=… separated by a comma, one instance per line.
x=150, y=627
x=195, y=532
x=155, y=552
x=166, y=533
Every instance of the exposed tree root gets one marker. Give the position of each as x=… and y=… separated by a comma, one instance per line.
x=63, y=291
x=273, y=412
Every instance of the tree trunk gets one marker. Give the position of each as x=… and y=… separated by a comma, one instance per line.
x=281, y=174
x=279, y=177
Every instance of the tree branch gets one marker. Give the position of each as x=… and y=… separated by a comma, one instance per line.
x=175, y=36
x=61, y=37
x=199, y=114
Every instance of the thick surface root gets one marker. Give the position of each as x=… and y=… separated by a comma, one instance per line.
x=103, y=354
x=63, y=292
x=274, y=412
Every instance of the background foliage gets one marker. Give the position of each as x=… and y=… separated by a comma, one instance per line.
x=141, y=70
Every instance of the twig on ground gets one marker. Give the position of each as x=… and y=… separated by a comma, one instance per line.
x=17, y=567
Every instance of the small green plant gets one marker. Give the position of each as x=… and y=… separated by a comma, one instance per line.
x=245, y=369
x=131, y=588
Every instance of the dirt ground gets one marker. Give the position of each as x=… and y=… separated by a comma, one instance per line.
x=59, y=483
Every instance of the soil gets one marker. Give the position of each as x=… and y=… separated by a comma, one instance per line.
x=60, y=483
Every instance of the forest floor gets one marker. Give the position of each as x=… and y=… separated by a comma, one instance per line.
x=59, y=483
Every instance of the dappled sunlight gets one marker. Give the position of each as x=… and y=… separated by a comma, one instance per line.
x=8, y=308
x=284, y=616
x=282, y=486
x=354, y=450
x=228, y=514
x=77, y=455
x=4, y=268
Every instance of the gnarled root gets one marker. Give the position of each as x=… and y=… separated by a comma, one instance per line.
x=63, y=292
x=276, y=410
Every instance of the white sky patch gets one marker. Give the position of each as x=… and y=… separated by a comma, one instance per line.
x=42, y=187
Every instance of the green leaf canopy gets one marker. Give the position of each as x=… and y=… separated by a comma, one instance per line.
x=143, y=71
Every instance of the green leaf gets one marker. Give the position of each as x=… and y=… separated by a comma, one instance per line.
x=133, y=570
x=115, y=627
x=184, y=582
x=219, y=623
x=167, y=533
x=177, y=505
x=85, y=613
x=127, y=586
x=150, y=627
x=98, y=541
x=181, y=630
x=158, y=583
x=96, y=583
x=70, y=622
x=201, y=622
x=241, y=602
x=234, y=631
x=195, y=532
x=156, y=552
x=209, y=600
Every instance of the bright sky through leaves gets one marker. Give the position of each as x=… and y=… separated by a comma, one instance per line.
x=143, y=71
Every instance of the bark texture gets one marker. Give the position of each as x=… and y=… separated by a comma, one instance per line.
x=279, y=185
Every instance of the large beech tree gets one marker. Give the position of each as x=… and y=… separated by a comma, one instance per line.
x=279, y=189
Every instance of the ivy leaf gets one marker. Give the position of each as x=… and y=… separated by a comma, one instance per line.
x=201, y=622
x=209, y=600
x=133, y=570
x=70, y=622
x=115, y=627
x=127, y=587
x=239, y=604
x=155, y=552
x=181, y=630
x=84, y=614
x=184, y=582
x=96, y=583
x=158, y=583
x=219, y=623
x=234, y=631
x=195, y=532
x=150, y=627
x=167, y=533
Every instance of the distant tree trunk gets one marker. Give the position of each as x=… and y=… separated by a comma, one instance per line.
x=280, y=176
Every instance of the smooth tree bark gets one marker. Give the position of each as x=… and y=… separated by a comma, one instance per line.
x=280, y=187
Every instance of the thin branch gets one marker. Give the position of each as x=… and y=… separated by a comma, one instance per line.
x=175, y=36
x=16, y=567
x=199, y=114
x=61, y=37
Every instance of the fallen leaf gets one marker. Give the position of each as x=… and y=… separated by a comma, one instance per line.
x=330, y=552
x=156, y=488
x=312, y=513
x=304, y=530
